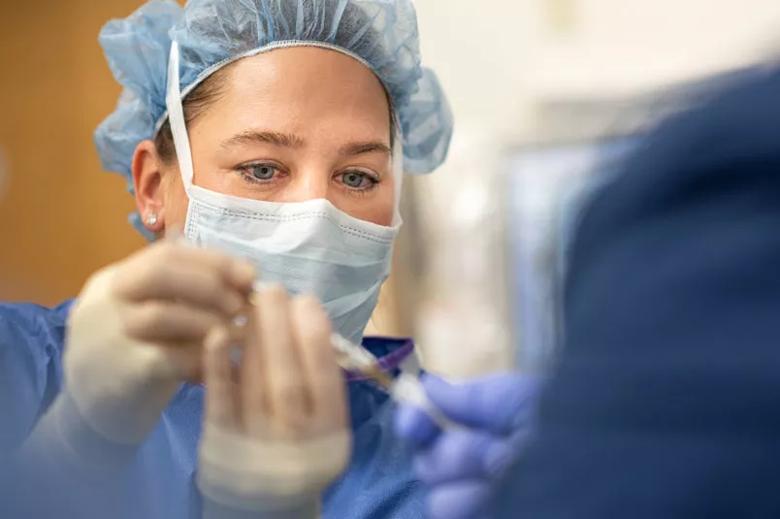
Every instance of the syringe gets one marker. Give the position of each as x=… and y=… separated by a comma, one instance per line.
x=405, y=388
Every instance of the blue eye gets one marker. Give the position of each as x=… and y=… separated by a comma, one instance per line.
x=358, y=180
x=261, y=171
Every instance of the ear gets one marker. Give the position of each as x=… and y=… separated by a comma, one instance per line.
x=147, y=183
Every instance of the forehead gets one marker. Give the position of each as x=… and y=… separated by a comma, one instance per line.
x=304, y=89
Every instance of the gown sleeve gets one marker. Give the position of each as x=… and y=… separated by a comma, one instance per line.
x=31, y=343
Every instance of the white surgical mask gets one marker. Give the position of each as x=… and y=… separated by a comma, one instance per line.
x=309, y=247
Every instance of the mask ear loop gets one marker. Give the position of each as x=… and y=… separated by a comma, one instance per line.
x=398, y=177
x=181, y=141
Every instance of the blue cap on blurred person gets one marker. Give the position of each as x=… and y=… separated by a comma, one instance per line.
x=382, y=34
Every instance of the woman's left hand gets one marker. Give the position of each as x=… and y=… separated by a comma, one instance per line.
x=276, y=429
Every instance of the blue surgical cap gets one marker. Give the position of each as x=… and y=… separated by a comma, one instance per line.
x=382, y=34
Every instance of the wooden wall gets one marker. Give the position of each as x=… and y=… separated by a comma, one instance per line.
x=61, y=216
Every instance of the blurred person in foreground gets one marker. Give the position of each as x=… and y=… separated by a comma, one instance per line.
x=666, y=399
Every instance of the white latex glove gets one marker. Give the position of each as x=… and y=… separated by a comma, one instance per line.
x=137, y=331
x=275, y=433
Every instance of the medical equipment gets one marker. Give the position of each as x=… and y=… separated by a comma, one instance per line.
x=406, y=388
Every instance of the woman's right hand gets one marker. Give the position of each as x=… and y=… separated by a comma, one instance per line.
x=137, y=329
x=172, y=295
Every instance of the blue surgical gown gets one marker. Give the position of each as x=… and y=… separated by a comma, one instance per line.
x=159, y=482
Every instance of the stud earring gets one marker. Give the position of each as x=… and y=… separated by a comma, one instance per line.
x=151, y=219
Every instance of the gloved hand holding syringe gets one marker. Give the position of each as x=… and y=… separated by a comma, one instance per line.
x=276, y=430
x=406, y=388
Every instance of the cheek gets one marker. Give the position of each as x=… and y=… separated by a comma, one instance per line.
x=210, y=178
x=376, y=209
x=176, y=204
x=384, y=209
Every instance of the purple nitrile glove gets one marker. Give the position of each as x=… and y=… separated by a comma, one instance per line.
x=459, y=465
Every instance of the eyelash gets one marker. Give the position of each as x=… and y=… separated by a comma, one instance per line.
x=246, y=173
x=372, y=179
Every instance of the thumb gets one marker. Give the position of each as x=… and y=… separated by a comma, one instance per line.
x=497, y=403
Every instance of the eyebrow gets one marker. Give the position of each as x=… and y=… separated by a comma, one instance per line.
x=361, y=148
x=287, y=140
x=283, y=140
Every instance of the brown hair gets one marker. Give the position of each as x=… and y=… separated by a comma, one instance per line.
x=194, y=104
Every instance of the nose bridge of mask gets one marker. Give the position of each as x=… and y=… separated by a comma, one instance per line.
x=181, y=141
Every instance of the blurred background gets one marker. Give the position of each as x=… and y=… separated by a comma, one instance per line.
x=548, y=95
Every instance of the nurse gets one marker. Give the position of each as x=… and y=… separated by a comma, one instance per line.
x=272, y=135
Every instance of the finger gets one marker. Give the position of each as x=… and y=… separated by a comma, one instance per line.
x=287, y=399
x=221, y=395
x=413, y=425
x=501, y=454
x=499, y=403
x=459, y=500
x=254, y=381
x=173, y=271
x=456, y=455
x=323, y=377
x=194, y=285
x=169, y=322
x=185, y=359
x=237, y=272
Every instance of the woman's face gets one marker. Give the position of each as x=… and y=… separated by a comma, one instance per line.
x=290, y=125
